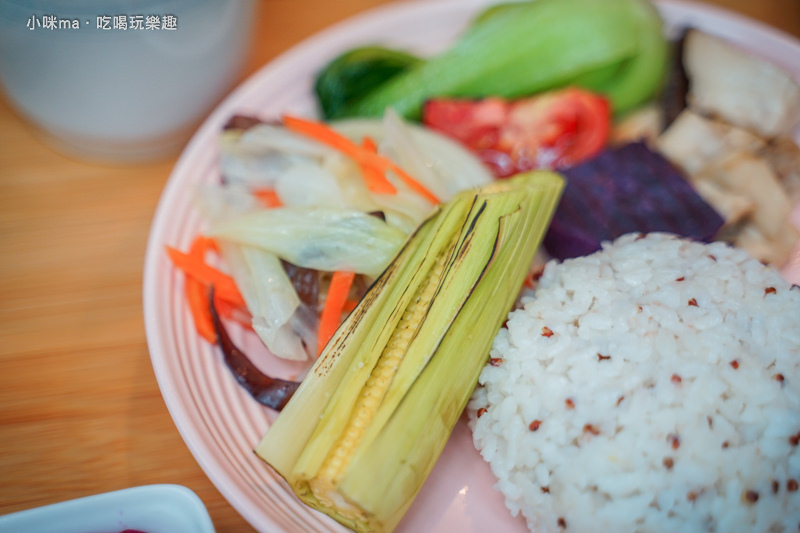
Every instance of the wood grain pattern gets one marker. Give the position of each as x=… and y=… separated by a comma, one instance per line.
x=80, y=409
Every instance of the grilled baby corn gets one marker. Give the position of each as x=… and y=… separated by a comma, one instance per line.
x=361, y=434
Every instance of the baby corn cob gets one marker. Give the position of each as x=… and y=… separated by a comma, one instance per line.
x=361, y=434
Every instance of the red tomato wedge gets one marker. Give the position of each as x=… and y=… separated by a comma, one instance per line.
x=553, y=130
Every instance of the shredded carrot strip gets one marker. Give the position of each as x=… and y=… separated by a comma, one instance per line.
x=197, y=298
x=335, y=301
x=199, y=278
x=234, y=312
x=349, y=305
x=268, y=197
x=322, y=133
x=414, y=184
x=197, y=293
x=224, y=286
x=369, y=144
x=361, y=154
x=375, y=179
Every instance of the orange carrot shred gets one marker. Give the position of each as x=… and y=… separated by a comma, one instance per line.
x=197, y=292
x=268, y=197
x=197, y=298
x=414, y=184
x=202, y=244
x=369, y=144
x=375, y=179
x=335, y=301
x=234, y=312
x=224, y=285
x=363, y=155
x=200, y=276
x=322, y=133
x=349, y=305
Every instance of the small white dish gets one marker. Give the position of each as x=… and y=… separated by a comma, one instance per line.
x=148, y=509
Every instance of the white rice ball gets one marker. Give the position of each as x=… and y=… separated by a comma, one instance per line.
x=652, y=386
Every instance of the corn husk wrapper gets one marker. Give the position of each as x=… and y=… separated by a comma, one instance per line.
x=368, y=423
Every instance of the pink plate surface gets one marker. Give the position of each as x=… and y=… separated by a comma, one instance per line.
x=218, y=421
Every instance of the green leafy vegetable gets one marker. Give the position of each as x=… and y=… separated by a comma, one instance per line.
x=516, y=49
x=355, y=73
x=642, y=76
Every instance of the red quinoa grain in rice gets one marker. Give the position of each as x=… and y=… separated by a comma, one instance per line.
x=666, y=396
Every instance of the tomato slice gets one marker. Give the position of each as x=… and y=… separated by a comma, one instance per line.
x=554, y=130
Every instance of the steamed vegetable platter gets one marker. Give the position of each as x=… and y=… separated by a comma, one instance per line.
x=366, y=244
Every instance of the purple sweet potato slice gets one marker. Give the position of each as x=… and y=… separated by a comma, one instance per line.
x=624, y=190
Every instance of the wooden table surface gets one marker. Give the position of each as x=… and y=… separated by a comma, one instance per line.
x=80, y=409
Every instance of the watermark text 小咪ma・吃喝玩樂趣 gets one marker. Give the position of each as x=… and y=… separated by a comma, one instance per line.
x=104, y=22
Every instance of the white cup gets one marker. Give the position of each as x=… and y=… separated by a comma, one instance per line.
x=121, y=80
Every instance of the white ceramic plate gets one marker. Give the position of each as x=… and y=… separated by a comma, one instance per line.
x=220, y=423
x=149, y=508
